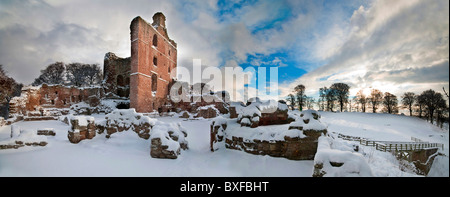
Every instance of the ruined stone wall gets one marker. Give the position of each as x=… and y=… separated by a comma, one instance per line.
x=153, y=58
x=34, y=99
x=116, y=72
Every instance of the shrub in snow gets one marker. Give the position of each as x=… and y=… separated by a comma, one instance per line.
x=218, y=126
x=167, y=139
x=81, y=127
x=337, y=163
x=127, y=119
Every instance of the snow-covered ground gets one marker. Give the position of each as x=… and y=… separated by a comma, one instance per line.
x=125, y=154
x=385, y=127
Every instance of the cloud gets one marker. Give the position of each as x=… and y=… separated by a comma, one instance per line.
x=390, y=44
x=377, y=43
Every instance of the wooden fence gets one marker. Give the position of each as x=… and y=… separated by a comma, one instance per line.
x=393, y=145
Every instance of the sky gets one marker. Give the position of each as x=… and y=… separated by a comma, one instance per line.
x=394, y=46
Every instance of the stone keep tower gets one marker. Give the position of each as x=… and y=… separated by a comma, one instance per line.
x=153, y=63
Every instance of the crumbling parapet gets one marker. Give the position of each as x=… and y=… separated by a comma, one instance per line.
x=126, y=119
x=330, y=162
x=82, y=127
x=167, y=140
x=217, y=138
x=299, y=142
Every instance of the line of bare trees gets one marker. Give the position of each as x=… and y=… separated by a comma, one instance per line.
x=429, y=104
x=76, y=74
x=336, y=95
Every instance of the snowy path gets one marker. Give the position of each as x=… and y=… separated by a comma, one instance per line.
x=124, y=154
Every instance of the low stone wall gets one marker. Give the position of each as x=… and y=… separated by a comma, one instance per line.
x=46, y=132
x=207, y=112
x=290, y=148
x=167, y=140
x=126, y=119
x=21, y=138
x=82, y=127
x=299, y=142
x=260, y=113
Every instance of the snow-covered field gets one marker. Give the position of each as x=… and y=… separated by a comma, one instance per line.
x=125, y=154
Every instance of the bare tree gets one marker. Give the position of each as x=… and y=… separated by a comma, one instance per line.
x=420, y=103
x=341, y=91
x=300, y=92
x=375, y=99
x=79, y=74
x=361, y=99
x=330, y=96
x=8, y=89
x=52, y=74
x=291, y=100
x=433, y=101
x=390, y=103
x=408, y=100
x=446, y=93
x=309, y=102
x=322, y=95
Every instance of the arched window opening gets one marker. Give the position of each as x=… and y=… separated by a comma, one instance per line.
x=154, y=82
x=155, y=40
x=155, y=61
x=120, y=80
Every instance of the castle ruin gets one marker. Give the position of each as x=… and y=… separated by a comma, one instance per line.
x=143, y=79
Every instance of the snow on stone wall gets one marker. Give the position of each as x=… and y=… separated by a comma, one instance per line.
x=127, y=119
x=81, y=127
x=330, y=162
x=217, y=132
x=20, y=138
x=167, y=139
x=259, y=113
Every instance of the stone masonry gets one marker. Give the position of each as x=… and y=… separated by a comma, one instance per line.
x=153, y=58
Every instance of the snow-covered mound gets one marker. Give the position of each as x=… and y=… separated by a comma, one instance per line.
x=167, y=139
x=338, y=163
x=126, y=119
x=258, y=113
